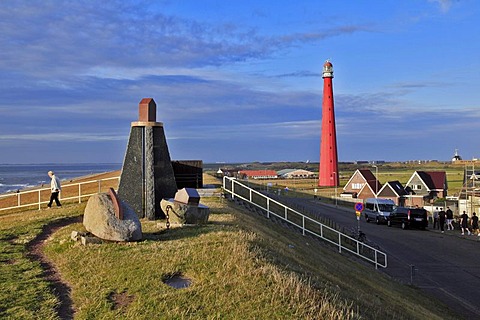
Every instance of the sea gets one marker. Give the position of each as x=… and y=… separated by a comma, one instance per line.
x=15, y=177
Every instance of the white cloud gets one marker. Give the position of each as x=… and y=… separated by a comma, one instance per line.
x=232, y=131
x=59, y=137
x=445, y=5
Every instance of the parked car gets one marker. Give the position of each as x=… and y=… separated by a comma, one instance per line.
x=408, y=217
x=378, y=209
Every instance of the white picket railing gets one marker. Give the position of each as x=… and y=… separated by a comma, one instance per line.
x=39, y=201
x=306, y=224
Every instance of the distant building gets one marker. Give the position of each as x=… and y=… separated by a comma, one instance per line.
x=456, y=156
x=257, y=174
x=361, y=162
x=295, y=173
x=226, y=173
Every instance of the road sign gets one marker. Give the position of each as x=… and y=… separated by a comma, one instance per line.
x=359, y=206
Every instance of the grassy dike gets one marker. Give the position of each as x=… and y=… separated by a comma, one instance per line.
x=241, y=266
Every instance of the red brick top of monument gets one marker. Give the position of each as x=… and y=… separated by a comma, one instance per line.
x=146, y=100
x=147, y=110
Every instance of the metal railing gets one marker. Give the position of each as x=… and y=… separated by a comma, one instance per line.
x=307, y=225
x=41, y=196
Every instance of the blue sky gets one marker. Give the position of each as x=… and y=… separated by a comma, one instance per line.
x=239, y=81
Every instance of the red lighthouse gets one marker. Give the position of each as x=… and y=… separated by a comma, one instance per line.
x=328, y=170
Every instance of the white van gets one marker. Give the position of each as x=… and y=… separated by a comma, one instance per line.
x=378, y=209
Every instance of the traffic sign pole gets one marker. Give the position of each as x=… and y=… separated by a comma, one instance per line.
x=358, y=211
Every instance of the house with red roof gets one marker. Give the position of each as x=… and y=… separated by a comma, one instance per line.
x=362, y=184
x=257, y=174
x=426, y=186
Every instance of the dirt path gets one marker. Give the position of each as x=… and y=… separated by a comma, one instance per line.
x=60, y=288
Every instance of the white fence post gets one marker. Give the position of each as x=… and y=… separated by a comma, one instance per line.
x=303, y=225
x=268, y=208
x=39, y=201
x=339, y=242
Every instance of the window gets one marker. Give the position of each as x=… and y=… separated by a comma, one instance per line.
x=416, y=187
x=385, y=207
x=357, y=185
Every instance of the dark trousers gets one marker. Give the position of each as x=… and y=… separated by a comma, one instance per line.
x=54, y=196
x=442, y=223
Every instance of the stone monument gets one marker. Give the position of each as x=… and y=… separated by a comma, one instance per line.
x=147, y=173
x=185, y=208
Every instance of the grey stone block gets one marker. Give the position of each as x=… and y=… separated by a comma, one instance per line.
x=76, y=235
x=188, y=196
x=86, y=240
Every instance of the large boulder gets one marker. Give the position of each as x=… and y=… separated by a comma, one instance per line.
x=100, y=219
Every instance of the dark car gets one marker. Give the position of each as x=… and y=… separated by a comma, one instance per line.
x=408, y=217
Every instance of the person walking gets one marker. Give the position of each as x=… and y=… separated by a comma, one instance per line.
x=464, y=223
x=449, y=215
x=435, y=219
x=441, y=217
x=55, y=188
x=475, y=224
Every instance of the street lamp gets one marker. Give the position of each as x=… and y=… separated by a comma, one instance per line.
x=376, y=180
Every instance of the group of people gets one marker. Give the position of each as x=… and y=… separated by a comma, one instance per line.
x=444, y=218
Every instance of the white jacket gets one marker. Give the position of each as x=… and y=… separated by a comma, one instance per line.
x=55, y=184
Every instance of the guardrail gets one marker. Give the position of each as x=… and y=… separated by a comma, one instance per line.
x=40, y=196
x=306, y=224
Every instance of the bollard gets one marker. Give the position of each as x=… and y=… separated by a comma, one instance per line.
x=412, y=273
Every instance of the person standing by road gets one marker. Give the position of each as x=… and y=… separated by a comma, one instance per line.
x=55, y=188
x=441, y=216
x=449, y=215
x=435, y=219
x=464, y=223
x=475, y=224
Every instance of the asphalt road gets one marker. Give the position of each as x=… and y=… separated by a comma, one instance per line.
x=446, y=266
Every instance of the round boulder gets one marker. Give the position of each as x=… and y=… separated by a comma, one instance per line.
x=99, y=218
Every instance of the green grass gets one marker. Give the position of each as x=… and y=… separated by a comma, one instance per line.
x=241, y=266
x=25, y=294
